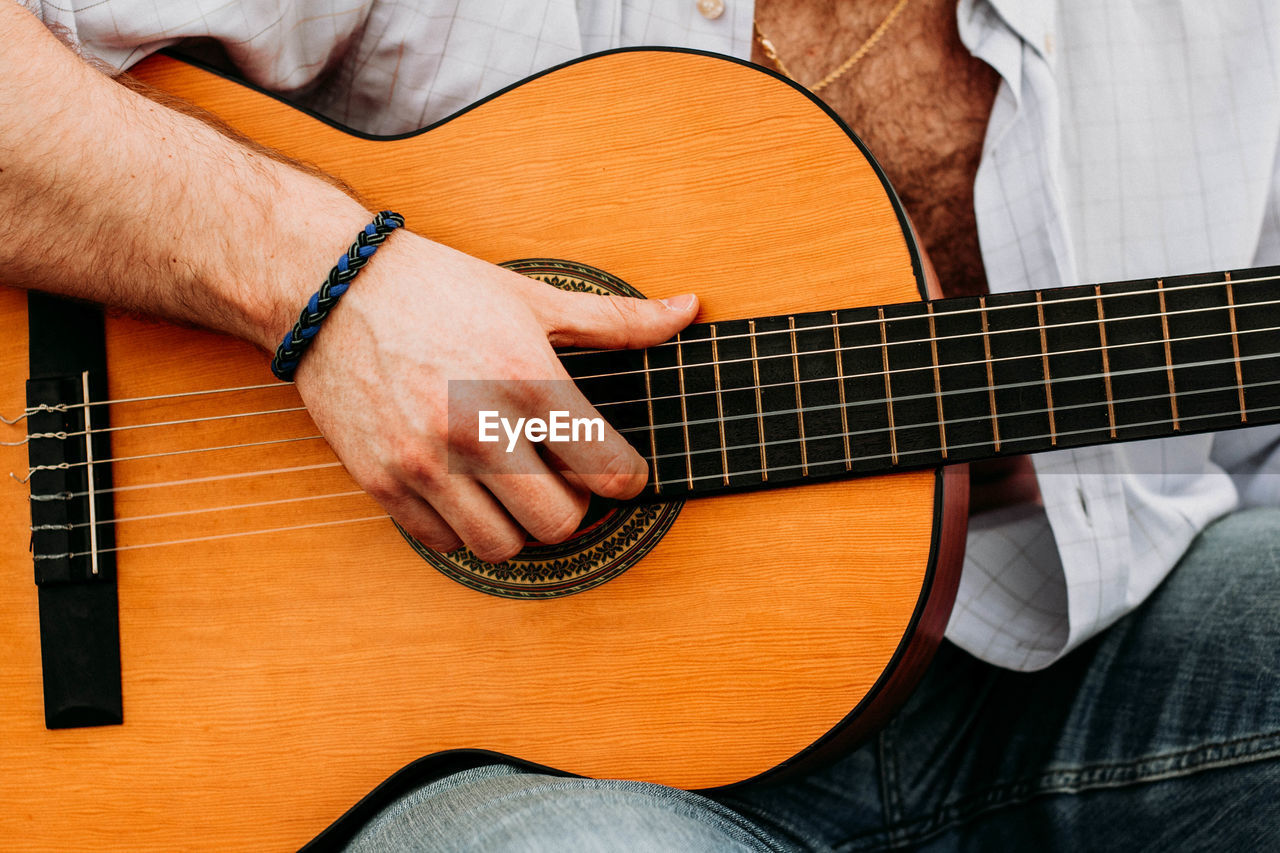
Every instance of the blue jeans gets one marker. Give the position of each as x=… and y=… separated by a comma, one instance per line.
x=1162, y=734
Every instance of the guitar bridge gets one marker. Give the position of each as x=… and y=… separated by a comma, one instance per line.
x=73, y=545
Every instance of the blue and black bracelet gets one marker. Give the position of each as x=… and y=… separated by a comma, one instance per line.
x=295, y=344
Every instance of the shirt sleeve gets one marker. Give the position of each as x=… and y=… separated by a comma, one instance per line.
x=390, y=68
x=278, y=45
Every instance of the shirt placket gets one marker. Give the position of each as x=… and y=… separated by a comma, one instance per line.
x=1024, y=235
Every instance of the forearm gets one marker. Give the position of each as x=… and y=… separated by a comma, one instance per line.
x=109, y=196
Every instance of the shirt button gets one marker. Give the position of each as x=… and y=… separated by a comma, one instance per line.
x=711, y=9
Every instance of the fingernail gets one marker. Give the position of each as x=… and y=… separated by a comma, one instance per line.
x=683, y=302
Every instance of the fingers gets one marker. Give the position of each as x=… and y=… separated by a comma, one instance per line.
x=488, y=494
x=602, y=460
x=545, y=505
x=612, y=322
x=422, y=522
x=470, y=510
x=492, y=509
x=540, y=500
x=611, y=467
x=384, y=399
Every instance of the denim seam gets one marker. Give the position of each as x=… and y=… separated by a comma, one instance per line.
x=890, y=800
x=1155, y=768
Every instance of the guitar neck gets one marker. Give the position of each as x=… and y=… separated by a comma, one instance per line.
x=776, y=400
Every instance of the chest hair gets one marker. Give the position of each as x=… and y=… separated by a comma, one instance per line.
x=918, y=99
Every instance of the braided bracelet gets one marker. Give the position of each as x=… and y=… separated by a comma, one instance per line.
x=295, y=344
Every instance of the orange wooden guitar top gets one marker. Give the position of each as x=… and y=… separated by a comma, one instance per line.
x=272, y=680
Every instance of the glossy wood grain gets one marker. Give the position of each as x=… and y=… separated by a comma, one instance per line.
x=272, y=680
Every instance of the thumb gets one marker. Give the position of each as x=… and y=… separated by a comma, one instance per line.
x=614, y=322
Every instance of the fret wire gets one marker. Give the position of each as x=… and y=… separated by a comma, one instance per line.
x=997, y=359
x=653, y=439
x=1044, y=357
x=795, y=372
x=1235, y=348
x=844, y=412
x=970, y=334
x=888, y=390
x=937, y=382
x=1106, y=362
x=973, y=390
x=991, y=380
x=1180, y=287
x=715, y=358
x=1168, y=353
x=684, y=411
x=920, y=450
x=755, y=372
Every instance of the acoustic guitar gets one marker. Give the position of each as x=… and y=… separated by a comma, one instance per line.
x=228, y=644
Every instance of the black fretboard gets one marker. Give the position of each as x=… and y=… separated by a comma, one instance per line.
x=774, y=400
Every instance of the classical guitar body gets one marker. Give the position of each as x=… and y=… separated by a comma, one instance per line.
x=272, y=679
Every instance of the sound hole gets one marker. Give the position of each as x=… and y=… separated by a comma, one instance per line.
x=612, y=538
x=597, y=511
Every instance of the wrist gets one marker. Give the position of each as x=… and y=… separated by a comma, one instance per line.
x=300, y=235
x=298, y=340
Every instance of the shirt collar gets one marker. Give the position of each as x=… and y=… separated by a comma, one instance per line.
x=1034, y=21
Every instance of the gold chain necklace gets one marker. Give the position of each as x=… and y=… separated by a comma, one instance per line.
x=865, y=48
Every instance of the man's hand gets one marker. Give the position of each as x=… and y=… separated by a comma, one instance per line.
x=419, y=315
x=108, y=196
